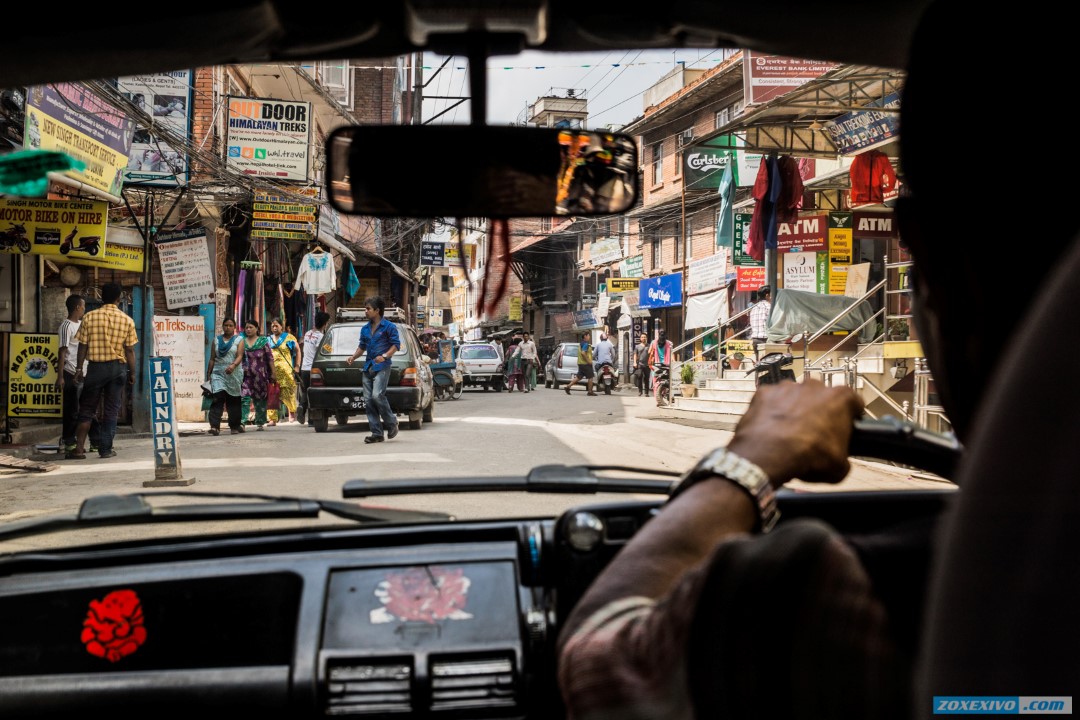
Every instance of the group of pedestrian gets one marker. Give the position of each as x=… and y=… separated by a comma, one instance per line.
x=590, y=358
x=252, y=376
x=646, y=356
x=522, y=361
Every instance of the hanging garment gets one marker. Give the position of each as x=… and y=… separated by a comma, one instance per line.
x=316, y=274
x=353, y=284
x=766, y=192
x=260, y=297
x=791, y=190
x=873, y=179
x=725, y=222
x=241, y=283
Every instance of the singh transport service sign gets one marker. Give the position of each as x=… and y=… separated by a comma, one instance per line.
x=32, y=367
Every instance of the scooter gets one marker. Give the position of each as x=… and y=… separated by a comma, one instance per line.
x=90, y=244
x=15, y=236
x=773, y=369
x=606, y=377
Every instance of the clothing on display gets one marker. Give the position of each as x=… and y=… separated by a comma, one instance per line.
x=316, y=274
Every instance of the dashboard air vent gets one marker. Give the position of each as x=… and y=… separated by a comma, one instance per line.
x=363, y=687
x=472, y=682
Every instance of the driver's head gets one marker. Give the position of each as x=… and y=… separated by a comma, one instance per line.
x=967, y=302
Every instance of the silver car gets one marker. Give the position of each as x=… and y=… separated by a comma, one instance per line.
x=562, y=366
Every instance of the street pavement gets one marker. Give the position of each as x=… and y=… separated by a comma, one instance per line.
x=479, y=435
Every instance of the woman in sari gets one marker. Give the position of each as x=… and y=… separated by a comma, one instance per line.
x=515, y=368
x=258, y=373
x=286, y=351
x=226, y=379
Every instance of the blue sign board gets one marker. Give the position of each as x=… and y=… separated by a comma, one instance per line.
x=863, y=129
x=163, y=420
x=660, y=292
x=586, y=319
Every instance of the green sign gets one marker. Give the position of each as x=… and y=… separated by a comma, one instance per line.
x=823, y=273
x=742, y=237
x=704, y=165
x=633, y=267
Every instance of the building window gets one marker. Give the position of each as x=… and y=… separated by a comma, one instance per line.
x=446, y=283
x=334, y=76
x=676, y=235
x=656, y=257
x=723, y=116
x=590, y=283
x=658, y=163
x=545, y=225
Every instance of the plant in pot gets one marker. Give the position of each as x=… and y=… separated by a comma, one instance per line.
x=689, y=389
x=898, y=329
x=735, y=361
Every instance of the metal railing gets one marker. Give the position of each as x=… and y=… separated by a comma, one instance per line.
x=809, y=367
x=718, y=328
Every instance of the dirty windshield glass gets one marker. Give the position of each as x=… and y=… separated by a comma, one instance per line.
x=478, y=352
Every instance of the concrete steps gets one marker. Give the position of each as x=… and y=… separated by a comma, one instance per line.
x=719, y=400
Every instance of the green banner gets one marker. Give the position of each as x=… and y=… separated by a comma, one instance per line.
x=742, y=237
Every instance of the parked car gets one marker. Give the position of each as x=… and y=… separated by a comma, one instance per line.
x=561, y=367
x=337, y=389
x=484, y=366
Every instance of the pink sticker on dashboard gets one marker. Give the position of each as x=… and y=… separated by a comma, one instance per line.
x=422, y=594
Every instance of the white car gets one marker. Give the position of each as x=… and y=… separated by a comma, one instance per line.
x=484, y=365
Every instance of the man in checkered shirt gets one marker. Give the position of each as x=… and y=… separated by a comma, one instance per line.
x=107, y=340
x=759, y=316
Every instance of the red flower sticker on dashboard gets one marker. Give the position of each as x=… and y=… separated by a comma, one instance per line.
x=113, y=628
x=422, y=594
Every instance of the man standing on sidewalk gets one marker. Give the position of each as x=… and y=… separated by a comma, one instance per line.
x=380, y=340
x=310, y=344
x=641, y=365
x=65, y=379
x=585, y=369
x=107, y=340
x=759, y=317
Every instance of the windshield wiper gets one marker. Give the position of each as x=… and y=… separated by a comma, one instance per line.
x=575, y=479
x=134, y=509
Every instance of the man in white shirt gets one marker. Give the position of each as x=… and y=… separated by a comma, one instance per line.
x=759, y=317
x=65, y=378
x=527, y=348
x=312, y=339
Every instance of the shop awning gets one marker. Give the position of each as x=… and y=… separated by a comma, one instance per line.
x=706, y=310
x=334, y=241
x=795, y=123
x=630, y=307
x=375, y=258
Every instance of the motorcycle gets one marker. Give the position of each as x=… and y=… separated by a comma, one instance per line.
x=661, y=382
x=15, y=236
x=90, y=244
x=605, y=376
x=772, y=369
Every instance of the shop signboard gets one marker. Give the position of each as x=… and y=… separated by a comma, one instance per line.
x=181, y=338
x=605, y=251
x=268, y=138
x=633, y=267
x=186, y=271
x=67, y=229
x=769, y=76
x=661, y=292
x=740, y=258
x=749, y=278
x=708, y=273
x=806, y=234
x=166, y=97
x=33, y=362
x=862, y=130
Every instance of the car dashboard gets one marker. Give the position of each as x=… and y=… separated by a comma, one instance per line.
x=456, y=619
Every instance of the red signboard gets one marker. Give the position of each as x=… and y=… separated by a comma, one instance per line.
x=749, y=278
x=875, y=225
x=769, y=76
x=807, y=234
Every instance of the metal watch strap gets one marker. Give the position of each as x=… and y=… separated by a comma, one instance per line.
x=747, y=475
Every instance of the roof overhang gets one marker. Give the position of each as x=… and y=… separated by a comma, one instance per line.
x=380, y=260
x=795, y=123
x=291, y=81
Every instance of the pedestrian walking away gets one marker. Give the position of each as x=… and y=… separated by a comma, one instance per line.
x=641, y=365
x=380, y=340
x=515, y=373
x=258, y=375
x=107, y=340
x=286, y=351
x=65, y=379
x=660, y=354
x=585, y=369
x=310, y=347
x=226, y=377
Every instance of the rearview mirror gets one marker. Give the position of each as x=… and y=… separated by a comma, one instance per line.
x=479, y=171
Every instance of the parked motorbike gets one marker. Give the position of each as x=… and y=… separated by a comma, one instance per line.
x=773, y=369
x=662, y=382
x=605, y=376
x=15, y=236
x=90, y=244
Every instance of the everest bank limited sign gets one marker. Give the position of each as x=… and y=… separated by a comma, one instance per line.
x=808, y=233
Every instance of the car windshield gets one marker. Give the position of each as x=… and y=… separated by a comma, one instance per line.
x=478, y=352
x=200, y=205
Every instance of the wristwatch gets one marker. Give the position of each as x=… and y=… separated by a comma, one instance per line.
x=743, y=473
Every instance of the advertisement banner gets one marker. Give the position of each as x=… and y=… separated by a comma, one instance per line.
x=742, y=236
x=805, y=234
x=181, y=338
x=167, y=98
x=163, y=420
x=875, y=225
x=33, y=360
x=605, y=250
x=708, y=274
x=442, y=254
x=704, y=165
x=822, y=273
x=71, y=228
x=865, y=129
x=841, y=250
x=67, y=117
x=269, y=138
x=282, y=217
x=515, y=309
x=858, y=279
x=769, y=76
x=633, y=267
x=800, y=271
x=661, y=292
x=621, y=285
x=186, y=271
x=585, y=319
x=749, y=278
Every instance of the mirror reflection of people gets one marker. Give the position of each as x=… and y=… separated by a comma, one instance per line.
x=601, y=180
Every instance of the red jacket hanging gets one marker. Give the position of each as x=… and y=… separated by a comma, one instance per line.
x=873, y=179
x=791, y=190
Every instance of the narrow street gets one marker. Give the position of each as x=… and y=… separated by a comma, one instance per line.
x=480, y=435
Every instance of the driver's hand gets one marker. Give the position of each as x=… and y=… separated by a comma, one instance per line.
x=799, y=430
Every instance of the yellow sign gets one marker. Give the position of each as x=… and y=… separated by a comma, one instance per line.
x=840, y=252
x=620, y=285
x=452, y=258
x=515, y=309
x=104, y=165
x=746, y=347
x=117, y=257
x=72, y=228
x=32, y=368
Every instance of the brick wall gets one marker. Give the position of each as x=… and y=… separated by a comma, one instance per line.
x=373, y=92
x=702, y=224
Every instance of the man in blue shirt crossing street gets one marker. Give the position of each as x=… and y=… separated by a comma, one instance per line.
x=380, y=340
